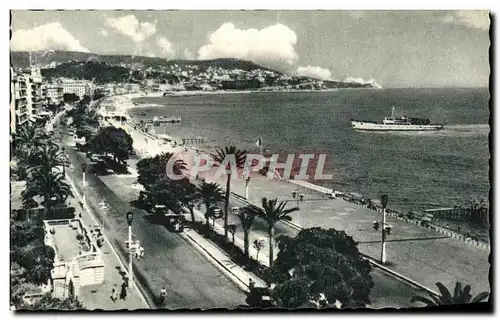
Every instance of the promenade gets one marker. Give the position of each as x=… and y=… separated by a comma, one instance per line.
x=420, y=254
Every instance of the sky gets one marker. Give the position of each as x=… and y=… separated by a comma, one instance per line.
x=392, y=48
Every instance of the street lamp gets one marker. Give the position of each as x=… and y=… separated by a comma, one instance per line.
x=298, y=197
x=130, y=217
x=84, y=167
x=247, y=180
x=64, y=161
x=383, y=256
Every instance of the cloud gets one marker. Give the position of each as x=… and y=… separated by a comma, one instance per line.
x=131, y=27
x=103, y=32
x=165, y=47
x=363, y=81
x=188, y=54
x=51, y=36
x=314, y=72
x=271, y=44
x=470, y=18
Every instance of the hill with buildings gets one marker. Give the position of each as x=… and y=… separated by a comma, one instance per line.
x=223, y=73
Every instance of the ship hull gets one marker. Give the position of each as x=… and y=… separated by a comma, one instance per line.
x=370, y=126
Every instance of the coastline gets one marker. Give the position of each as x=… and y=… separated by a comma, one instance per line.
x=159, y=143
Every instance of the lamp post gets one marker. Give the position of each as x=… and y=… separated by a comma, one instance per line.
x=130, y=217
x=84, y=167
x=298, y=197
x=247, y=180
x=64, y=161
x=383, y=257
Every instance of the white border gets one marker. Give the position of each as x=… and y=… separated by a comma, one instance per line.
x=190, y=5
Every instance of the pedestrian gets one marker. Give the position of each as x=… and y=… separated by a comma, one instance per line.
x=141, y=252
x=113, y=295
x=251, y=284
x=81, y=204
x=163, y=295
x=123, y=293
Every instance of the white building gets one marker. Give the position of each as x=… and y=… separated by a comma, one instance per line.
x=78, y=87
x=26, y=96
x=53, y=92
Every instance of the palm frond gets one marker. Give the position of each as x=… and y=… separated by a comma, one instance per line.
x=425, y=300
x=480, y=297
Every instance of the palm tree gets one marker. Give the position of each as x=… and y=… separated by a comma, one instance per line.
x=27, y=138
x=189, y=198
x=460, y=296
x=247, y=216
x=46, y=157
x=272, y=214
x=209, y=194
x=50, y=185
x=240, y=158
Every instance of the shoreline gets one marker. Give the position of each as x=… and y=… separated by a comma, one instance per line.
x=123, y=103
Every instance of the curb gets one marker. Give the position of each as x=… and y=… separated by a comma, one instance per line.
x=370, y=260
x=451, y=234
x=241, y=285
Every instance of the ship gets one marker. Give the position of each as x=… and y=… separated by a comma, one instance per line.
x=394, y=123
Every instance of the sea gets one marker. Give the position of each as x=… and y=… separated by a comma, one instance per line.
x=417, y=170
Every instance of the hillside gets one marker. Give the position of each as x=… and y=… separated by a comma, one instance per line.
x=47, y=59
x=117, y=68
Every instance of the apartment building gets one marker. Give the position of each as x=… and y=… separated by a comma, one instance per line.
x=53, y=93
x=26, y=96
x=78, y=87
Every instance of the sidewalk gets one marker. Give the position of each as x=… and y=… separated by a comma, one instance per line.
x=421, y=254
x=213, y=252
x=98, y=296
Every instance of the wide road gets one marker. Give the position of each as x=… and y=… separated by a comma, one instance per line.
x=191, y=281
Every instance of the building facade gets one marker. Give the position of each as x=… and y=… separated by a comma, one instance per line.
x=19, y=108
x=78, y=87
x=26, y=96
x=53, y=93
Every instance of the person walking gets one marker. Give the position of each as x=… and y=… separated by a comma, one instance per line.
x=251, y=284
x=113, y=295
x=123, y=293
x=163, y=295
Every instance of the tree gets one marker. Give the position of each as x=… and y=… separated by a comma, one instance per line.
x=70, y=97
x=210, y=194
x=50, y=185
x=316, y=265
x=47, y=157
x=190, y=198
x=246, y=217
x=221, y=156
x=113, y=140
x=272, y=214
x=27, y=138
x=460, y=296
x=152, y=169
x=168, y=193
x=258, y=245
